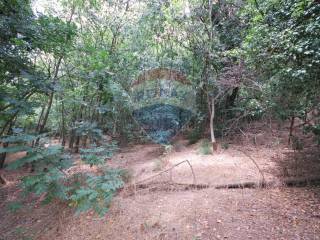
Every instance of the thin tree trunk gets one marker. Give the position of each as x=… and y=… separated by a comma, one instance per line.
x=291, y=129
x=9, y=122
x=78, y=136
x=212, y=110
x=72, y=137
x=55, y=76
x=5, y=145
x=3, y=155
x=77, y=144
x=84, y=141
x=36, y=142
x=231, y=98
x=63, y=125
x=43, y=123
x=73, y=130
x=45, y=118
x=40, y=118
x=213, y=139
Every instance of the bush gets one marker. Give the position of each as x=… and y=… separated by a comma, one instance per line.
x=205, y=147
x=195, y=135
x=49, y=178
x=97, y=192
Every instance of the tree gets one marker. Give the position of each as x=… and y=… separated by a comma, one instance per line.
x=282, y=47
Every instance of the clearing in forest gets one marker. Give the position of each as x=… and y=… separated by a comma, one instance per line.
x=160, y=208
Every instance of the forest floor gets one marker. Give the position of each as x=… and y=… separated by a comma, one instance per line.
x=162, y=210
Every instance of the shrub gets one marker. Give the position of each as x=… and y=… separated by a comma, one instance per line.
x=97, y=192
x=194, y=135
x=205, y=147
x=49, y=178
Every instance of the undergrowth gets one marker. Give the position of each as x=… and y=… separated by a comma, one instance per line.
x=49, y=178
x=205, y=147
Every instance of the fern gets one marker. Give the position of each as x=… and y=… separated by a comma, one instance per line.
x=97, y=192
x=88, y=129
x=43, y=158
x=22, y=138
x=97, y=155
x=48, y=178
x=14, y=149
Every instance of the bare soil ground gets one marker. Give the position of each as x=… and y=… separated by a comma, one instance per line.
x=172, y=213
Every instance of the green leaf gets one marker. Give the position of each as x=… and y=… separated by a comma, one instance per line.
x=14, y=149
x=31, y=157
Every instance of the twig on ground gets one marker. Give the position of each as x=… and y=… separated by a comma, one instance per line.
x=288, y=182
x=255, y=163
x=169, y=169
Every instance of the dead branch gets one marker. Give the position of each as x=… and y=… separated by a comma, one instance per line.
x=169, y=169
x=170, y=186
x=288, y=182
x=255, y=163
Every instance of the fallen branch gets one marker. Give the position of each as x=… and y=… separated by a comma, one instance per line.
x=255, y=163
x=169, y=169
x=289, y=182
x=170, y=186
x=243, y=185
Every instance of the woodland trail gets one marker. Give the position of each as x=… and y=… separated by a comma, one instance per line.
x=165, y=209
x=278, y=213
x=229, y=89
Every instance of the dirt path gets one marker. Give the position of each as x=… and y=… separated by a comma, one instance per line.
x=280, y=213
x=227, y=166
x=206, y=214
x=202, y=214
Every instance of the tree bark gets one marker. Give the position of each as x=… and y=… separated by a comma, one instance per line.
x=231, y=98
x=40, y=118
x=5, y=145
x=77, y=144
x=213, y=139
x=45, y=118
x=63, y=125
x=291, y=129
x=72, y=137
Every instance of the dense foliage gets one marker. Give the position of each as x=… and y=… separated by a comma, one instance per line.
x=67, y=75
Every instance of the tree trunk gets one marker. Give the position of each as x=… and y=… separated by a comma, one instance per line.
x=72, y=132
x=84, y=141
x=72, y=137
x=77, y=144
x=213, y=139
x=5, y=145
x=35, y=142
x=9, y=123
x=231, y=98
x=55, y=78
x=63, y=125
x=3, y=155
x=78, y=137
x=291, y=129
x=45, y=118
x=40, y=118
